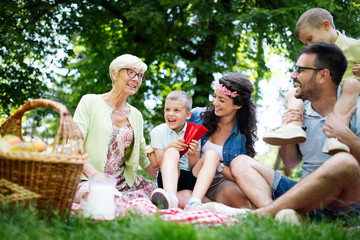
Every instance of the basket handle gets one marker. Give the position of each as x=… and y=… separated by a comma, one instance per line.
x=68, y=129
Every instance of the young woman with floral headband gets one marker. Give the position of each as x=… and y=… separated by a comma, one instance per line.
x=231, y=120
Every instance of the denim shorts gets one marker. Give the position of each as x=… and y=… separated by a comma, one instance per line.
x=282, y=184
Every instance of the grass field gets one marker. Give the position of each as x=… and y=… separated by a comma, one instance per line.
x=17, y=222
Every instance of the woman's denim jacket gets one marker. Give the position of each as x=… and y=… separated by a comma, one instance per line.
x=234, y=144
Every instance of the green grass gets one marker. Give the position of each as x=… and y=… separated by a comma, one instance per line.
x=17, y=222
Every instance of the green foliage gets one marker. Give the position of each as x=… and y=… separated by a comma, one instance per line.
x=27, y=36
x=184, y=43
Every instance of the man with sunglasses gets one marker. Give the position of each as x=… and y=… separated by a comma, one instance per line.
x=330, y=185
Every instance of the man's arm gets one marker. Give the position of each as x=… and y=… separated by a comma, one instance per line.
x=290, y=155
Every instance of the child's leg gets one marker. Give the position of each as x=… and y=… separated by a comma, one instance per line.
x=348, y=98
x=166, y=197
x=291, y=132
x=205, y=170
x=296, y=104
x=170, y=170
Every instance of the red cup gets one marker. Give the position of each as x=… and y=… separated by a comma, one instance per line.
x=195, y=132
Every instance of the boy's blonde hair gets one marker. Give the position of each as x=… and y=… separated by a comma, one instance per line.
x=314, y=18
x=178, y=95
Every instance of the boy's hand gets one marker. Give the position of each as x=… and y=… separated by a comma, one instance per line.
x=193, y=147
x=292, y=115
x=178, y=144
x=356, y=70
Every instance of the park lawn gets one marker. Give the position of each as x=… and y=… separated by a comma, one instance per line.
x=17, y=222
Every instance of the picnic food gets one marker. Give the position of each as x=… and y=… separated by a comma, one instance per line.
x=15, y=144
x=22, y=147
x=11, y=139
x=39, y=145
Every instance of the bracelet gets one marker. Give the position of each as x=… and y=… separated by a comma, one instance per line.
x=149, y=149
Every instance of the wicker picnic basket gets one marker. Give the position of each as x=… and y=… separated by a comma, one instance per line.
x=49, y=180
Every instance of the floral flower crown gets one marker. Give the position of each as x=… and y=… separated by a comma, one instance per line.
x=224, y=90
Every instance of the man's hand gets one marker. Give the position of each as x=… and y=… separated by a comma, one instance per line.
x=356, y=70
x=336, y=126
x=292, y=115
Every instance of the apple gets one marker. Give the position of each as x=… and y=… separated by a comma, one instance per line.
x=12, y=139
x=39, y=145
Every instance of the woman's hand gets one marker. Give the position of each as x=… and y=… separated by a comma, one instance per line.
x=193, y=147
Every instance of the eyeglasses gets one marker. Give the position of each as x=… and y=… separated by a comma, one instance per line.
x=298, y=68
x=131, y=73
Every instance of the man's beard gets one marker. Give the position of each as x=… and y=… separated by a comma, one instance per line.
x=309, y=91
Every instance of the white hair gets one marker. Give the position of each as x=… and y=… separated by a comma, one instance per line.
x=126, y=61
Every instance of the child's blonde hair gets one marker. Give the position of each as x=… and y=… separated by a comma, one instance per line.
x=178, y=95
x=314, y=18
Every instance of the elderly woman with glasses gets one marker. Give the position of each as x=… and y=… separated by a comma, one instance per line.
x=113, y=132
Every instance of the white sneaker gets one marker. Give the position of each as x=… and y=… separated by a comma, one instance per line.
x=333, y=145
x=193, y=206
x=162, y=199
x=226, y=210
x=287, y=134
x=289, y=216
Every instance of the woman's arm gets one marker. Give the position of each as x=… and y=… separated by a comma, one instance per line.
x=193, y=153
x=158, y=156
x=227, y=173
x=151, y=171
x=88, y=170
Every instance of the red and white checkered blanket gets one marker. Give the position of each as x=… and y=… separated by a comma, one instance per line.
x=145, y=207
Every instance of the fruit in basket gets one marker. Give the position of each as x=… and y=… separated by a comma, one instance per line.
x=4, y=146
x=23, y=147
x=15, y=144
x=39, y=145
x=12, y=139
